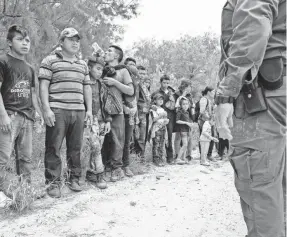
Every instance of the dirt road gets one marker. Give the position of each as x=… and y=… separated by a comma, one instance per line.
x=173, y=201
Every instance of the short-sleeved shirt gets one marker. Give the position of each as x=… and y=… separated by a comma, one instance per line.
x=67, y=80
x=18, y=78
x=123, y=77
x=182, y=115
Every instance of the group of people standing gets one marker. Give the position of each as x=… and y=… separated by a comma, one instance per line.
x=104, y=109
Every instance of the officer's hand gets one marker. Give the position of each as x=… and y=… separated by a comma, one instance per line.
x=223, y=120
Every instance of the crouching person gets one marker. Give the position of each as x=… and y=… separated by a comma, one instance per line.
x=95, y=132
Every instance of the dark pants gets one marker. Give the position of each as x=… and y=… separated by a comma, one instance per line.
x=258, y=158
x=70, y=125
x=171, y=115
x=113, y=147
x=128, y=135
x=141, y=141
x=223, y=143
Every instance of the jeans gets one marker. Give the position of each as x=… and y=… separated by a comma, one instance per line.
x=171, y=115
x=128, y=136
x=113, y=147
x=70, y=125
x=258, y=159
x=141, y=142
x=20, y=139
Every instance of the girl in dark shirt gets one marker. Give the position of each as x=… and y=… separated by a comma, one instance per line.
x=183, y=125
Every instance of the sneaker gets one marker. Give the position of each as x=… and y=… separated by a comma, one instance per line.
x=128, y=171
x=117, y=174
x=54, y=191
x=189, y=158
x=180, y=162
x=210, y=158
x=75, y=186
x=101, y=182
x=205, y=164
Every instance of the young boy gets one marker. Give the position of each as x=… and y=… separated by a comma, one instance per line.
x=17, y=103
x=205, y=138
x=158, y=129
x=101, y=124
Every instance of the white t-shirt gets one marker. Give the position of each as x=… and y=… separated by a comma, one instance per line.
x=205, y=129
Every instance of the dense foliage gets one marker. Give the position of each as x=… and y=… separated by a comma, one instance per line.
x=45, y=19
x=191, y=57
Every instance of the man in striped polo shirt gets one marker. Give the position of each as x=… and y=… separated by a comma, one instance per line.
x=64, y=91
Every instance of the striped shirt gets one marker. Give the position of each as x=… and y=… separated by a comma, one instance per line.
x=67, y=80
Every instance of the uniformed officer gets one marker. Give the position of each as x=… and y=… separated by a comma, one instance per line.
x=251, y=99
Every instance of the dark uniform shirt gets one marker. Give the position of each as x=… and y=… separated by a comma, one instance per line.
x=252, y=31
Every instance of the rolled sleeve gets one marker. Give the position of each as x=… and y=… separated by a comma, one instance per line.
x=45, y=72
x=252, y=27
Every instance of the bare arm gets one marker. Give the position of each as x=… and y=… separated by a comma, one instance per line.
x=35, y=102
x=183, y=122
x=48, y=114
x=88, y=97
x=126, y=87
x=5, y=121
x=44, y=94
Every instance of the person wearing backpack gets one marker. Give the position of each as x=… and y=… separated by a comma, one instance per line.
x=119, y=81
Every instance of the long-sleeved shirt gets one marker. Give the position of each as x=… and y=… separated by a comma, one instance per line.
x=252, y=30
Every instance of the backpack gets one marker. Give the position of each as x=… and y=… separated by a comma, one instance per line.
x=197, y=110
x=111, y=104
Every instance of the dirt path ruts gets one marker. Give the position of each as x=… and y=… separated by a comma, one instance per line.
x=174, y=201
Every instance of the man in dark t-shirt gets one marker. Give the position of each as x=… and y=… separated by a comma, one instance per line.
x=17, y=102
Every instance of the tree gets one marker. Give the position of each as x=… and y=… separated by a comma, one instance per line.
x=196, y=58
x=45, y=19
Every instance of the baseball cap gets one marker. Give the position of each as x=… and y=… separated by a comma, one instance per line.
x=69, y=32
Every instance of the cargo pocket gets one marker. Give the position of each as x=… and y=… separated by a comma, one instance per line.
x=252, y=165
x=239, y=160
